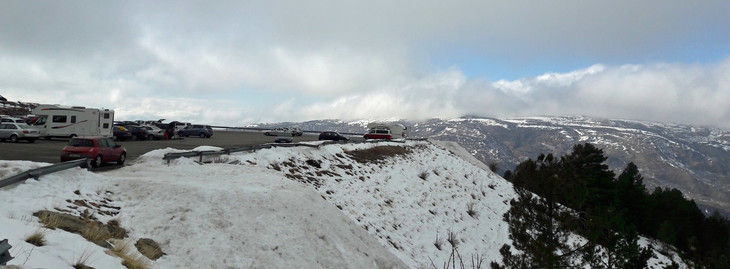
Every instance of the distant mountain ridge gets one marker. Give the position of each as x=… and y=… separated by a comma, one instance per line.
x=692, y=159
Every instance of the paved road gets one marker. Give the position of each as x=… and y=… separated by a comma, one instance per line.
x=49, y=150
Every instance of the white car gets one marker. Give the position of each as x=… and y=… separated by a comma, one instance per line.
x=18, y=131
x=277, y=132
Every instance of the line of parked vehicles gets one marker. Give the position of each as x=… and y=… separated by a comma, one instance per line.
x=146, y=130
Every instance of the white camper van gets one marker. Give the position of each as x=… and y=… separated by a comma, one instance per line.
x=72, y=121
x=386, y=131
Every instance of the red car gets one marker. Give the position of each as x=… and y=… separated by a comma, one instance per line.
x=98, y=149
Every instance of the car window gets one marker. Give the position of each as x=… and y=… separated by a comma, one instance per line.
x=11, y=126
x=81, y=143
x=110, y=143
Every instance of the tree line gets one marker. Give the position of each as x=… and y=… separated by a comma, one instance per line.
x=558, y=197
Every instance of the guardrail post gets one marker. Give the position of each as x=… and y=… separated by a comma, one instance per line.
x=5, y=252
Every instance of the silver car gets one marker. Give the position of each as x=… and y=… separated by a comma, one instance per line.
x=18, y=131
x=283, y=138
x=153, y=132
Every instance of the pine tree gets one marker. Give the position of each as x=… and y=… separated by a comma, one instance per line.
x=537, y=223
x=631, y=196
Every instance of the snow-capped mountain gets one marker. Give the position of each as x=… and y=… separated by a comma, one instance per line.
x=692, y=159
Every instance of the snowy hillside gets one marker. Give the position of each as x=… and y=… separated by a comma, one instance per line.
x=384, y=205
x=692, y=159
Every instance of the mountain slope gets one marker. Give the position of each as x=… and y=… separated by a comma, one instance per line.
x=692, y=159
x=336, y=206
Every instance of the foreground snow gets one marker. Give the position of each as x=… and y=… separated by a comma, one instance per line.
x=251, y=210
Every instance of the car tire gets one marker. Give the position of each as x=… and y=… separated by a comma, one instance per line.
x=14, y=138
x=150, y=137
x=122, y=158
x=202, y=135
x=72, y=136
x=97, y=161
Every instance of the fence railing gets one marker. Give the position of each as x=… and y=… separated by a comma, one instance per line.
x=189, y=154
x=38, y=172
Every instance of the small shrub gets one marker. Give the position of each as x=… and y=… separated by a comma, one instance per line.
x=50, y=221
x=452, y=239
x=314, y=163
x=439, y=242
x=494, y=167
x=95, y=232
x=135, y=261
x=423, y=175
x=130, y=259
x=37, y=238
x=470, y=210
x=81, y=261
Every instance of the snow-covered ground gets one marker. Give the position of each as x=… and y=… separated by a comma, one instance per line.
x=274, y=208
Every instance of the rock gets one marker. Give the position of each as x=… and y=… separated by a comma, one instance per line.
x=149, y=248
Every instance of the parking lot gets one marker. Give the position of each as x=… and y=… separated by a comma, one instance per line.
x=49, y=150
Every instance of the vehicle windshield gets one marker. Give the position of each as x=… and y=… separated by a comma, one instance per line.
x=81, y=143
x=41, y=120
x=285, y=134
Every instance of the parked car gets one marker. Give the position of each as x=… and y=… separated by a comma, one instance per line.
x=153, y=132
x=277, y=131
x=99, y=149
x=18, y=131
x=332, y=136
x=121, y=133
x=202, y=131
x=296, y=131
x=138, y=132
x=12, y=119
x=283, y=138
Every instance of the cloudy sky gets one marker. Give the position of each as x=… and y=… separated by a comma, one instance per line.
x=240, y=62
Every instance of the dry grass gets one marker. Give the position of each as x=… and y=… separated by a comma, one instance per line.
x=81, y=261
x=151, y=252
x=439, y=242
x=130, y=258
x=50, y=221
x=95, y=233
x=377, y=154
x=471, y=211
x=37, y=238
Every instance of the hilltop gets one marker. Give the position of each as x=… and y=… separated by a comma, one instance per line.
x=368, y=205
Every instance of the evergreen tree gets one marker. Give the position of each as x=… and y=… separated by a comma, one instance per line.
x=631, y=195
x=537, y=223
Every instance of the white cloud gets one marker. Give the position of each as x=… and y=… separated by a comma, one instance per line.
x=291, y=60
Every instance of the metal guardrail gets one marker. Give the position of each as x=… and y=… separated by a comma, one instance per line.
x=188, y=154
x=38, y=172
x=5, y=252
